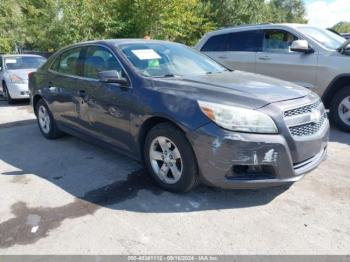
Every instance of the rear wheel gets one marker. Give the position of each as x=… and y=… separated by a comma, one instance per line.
x=169, y=158
x=340, y=109
x=46, y=122
x=6, y=94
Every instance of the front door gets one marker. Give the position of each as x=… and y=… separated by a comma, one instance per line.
x=277, y=60
x=105, y=109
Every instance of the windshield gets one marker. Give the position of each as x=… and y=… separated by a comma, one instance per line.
x=324, y=37
x=23, y=62
x=168, y=59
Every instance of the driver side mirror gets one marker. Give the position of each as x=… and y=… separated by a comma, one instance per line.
x=113, y=76
x=301, y=46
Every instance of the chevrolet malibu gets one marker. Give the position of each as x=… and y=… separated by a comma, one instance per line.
x=189, y=119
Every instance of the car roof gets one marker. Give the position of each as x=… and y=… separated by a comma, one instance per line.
x=121, y=41
x=136, y=41
x=256, y=26
x=20, y=55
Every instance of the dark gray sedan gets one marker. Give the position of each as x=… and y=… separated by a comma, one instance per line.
x=188, y=118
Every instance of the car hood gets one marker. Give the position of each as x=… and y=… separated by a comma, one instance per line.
x=22, y=73
x=233, y=88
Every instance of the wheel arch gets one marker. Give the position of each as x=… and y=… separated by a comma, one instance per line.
x=338, y=83
x=148, y=125
x=36, y=99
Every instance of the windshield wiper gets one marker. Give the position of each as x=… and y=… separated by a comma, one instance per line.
x=342, y=48
x=166, y=75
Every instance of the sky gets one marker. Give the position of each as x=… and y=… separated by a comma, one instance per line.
x=326, y=13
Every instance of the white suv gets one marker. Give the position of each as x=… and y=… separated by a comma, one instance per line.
x=309, y=56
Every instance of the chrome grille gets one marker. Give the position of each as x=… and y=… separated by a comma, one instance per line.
x=308, y=129
x=306, y=120
x=303, y=109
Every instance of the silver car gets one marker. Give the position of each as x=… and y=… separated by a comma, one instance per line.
x=309, y=56
x=14, y=70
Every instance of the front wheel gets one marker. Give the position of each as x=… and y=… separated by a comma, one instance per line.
x=46, y=122
x=169, y=158
x=340, y=109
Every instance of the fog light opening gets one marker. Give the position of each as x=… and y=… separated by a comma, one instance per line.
x=251, y=172
x=247, y=169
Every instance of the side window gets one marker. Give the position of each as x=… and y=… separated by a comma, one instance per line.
x=245, y=41
x=56, y=64
x=99, y=59
x=215, y=43
x=278, y=41
x=1, y=67
x=68, y=62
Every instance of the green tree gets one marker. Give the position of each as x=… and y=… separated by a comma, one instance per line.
x=12, y=29
x=237, y=12
x=342, y=27
x=40, y=19
x=286, y=11
x=48, y=25
x=83, y=20
x=56, y=23
x=176, y=20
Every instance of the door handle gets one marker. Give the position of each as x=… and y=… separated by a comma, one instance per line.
x=222, y=57
x=264, y=58
x=81, y=93
x=52, y=88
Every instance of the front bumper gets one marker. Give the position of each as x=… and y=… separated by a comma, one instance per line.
x=223, y=156
x=18, y=91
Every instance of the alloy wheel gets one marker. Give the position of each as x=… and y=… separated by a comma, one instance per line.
x=166, y=160
x=44, y=119
x=344, y=110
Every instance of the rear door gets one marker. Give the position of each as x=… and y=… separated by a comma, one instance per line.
x=277, y=60
x=61, y=86
x=236, y=50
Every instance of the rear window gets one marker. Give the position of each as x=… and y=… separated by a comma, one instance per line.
x=215, y=43
x=245, y=41
x=23, y=62
x=68, y=62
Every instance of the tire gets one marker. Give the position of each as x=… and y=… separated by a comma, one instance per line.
x=338, y=112
x=7, y=95
x=182, y=160
x=46, y=122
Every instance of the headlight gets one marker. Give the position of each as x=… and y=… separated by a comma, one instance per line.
x=16, y=79
x=238, y=119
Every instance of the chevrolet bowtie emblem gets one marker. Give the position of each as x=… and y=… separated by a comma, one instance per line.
x=315, y=116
